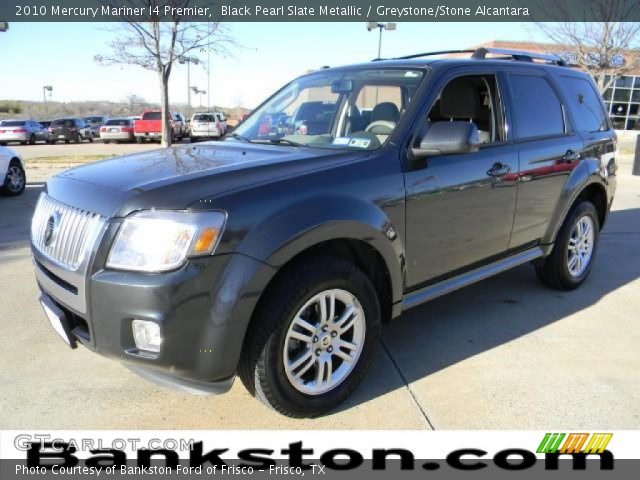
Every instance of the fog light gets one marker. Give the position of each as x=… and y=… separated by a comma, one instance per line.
x=147, y=336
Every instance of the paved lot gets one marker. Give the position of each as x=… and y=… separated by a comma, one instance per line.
x=503, y=354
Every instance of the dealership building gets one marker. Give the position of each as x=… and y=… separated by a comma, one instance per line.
x=622, y=98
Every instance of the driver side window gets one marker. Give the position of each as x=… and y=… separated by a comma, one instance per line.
x=475, y=99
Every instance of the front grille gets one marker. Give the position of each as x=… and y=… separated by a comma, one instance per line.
x=63, y=233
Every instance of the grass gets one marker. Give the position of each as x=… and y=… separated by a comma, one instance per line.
x=68, y=159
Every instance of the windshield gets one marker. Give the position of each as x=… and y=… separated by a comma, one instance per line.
x=357, y=109
x=119, y=121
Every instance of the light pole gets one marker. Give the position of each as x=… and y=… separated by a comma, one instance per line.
x=200, y=93
x=46, y=88
x=380, y=26
x=189, y=61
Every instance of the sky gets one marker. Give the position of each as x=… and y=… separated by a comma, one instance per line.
x=268, y=56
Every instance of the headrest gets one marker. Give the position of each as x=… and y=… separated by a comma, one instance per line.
x=385, y=111
x=460, y=99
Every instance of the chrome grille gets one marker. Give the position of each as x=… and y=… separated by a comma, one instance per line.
x=63, y=233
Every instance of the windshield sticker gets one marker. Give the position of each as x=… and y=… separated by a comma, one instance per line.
x=341, y=141
x=360, y=142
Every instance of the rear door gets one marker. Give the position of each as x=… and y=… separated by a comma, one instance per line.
x=549, y=150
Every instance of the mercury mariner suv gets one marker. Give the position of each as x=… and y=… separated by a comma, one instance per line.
x=276, y=255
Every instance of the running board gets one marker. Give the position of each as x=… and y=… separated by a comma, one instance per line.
x=442, y=288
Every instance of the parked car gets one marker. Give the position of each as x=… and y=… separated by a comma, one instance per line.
x=310, y=118
x=205, y=125
x=69, y=129
x=149, y=127
x=180, y=125
x=117, y=130
x=281, y=257
x=95, y=123
x=13, y=178
x=22, y=131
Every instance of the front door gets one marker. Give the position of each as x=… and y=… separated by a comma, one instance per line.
x=460, y=207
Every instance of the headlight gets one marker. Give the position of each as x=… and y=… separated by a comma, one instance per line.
x=160, y=240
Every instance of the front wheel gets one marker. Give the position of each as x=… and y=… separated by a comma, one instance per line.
x=574, y=250
x=312, y=338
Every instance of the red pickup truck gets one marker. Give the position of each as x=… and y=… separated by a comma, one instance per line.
x=149, y=127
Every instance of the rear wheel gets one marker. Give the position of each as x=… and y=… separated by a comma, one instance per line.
x=32, y=139
x=79, y=138
x=575, y=248
x=312, y=339
x=15, y=180
x=91, y=138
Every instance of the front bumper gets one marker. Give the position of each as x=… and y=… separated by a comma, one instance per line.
x=203, y=310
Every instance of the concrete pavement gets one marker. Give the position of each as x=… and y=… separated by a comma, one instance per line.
x=506, y=353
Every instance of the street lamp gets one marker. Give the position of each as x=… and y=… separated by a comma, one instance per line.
x=199, y=92
x=46, y=88
x=380, y=26
x=188, y=60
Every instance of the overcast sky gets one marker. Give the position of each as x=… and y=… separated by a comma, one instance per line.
x=61, y=55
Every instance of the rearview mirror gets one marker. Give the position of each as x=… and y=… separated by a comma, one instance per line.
x=342, y=86
x=445, y=138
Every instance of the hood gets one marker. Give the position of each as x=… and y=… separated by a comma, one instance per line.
x=178, y=176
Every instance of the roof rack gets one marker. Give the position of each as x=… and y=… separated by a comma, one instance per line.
x=428, y=54
x=481, y=53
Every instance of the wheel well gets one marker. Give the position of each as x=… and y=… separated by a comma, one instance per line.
x=360, y=253
x=595, y=194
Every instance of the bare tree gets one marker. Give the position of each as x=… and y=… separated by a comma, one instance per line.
x=604, y=49
x=134, y=103
x=157, y=44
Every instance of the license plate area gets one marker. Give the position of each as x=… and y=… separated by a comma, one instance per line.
x=58, y=320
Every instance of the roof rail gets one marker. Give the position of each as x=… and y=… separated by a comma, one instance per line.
x=481, y=53
x=428, y=54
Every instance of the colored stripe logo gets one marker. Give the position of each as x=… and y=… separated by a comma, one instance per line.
x=574, y=443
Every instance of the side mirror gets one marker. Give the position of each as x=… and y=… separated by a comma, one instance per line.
x=445, y=138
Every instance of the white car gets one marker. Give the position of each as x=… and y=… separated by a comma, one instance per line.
x=12, y=172
x=206, y=125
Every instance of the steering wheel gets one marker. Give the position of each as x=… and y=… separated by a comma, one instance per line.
x=381, y=127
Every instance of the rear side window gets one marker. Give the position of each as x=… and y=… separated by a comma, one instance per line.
x=13, y=124
x=536, y=107
x=202, y=118
x=123, y=122
x=585, y=104
x=151, y=116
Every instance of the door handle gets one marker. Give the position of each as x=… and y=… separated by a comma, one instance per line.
x=571, y=156
x=498, y=170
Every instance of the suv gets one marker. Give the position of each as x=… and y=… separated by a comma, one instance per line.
x=69, y=129
x=95, y=123
x=206, y=125
x=279, y=258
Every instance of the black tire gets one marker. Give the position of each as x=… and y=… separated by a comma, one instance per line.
x=90, y=138
x=553, y=271
x=139, y=140
x=23, y=143
x=32, y=139
x=7, y=187
x=106, y=142
x=192, y=139
x=66, y=141
x=3, y=144
x=79, y=138
x=262, y=365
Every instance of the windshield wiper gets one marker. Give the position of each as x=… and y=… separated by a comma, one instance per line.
x=238, y=136
x=286, y=141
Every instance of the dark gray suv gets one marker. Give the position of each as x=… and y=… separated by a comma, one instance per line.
x=278, y=257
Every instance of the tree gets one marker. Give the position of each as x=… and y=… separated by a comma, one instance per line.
x=606, y=49
x=156, y=45
x=134, y=103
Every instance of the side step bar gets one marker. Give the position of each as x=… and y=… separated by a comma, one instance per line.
x=433, y=291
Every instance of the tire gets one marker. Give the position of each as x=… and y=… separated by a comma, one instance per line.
x=32, y=139
x=15, y=180
x=139, y=140
x=66, y=141
x=106, y=142
x=51, y=142
x=23, y=143
x=79, y=138
x=562, y=269
x=3, y=144
x=192, y=139
x=268, y=344
x=90, y=138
